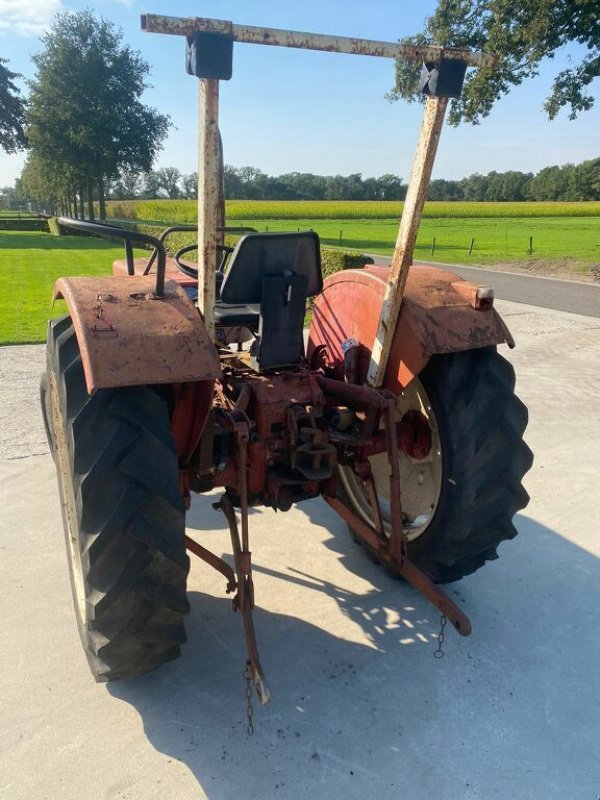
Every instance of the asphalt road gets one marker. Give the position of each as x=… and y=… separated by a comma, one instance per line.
x=575, y=297
x=360, y=707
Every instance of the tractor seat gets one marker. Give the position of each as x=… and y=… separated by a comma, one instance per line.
x=269, y=279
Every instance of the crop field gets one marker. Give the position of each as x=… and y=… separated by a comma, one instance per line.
x=30, y=262
x=183, y=211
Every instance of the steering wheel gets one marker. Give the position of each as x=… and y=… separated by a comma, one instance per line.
x=192, y=272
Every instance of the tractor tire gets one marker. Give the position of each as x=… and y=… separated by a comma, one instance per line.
x=123, y=514
x=471, y=479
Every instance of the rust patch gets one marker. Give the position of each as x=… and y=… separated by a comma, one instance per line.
x=130, y=337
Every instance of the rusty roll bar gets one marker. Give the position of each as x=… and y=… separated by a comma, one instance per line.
x=276, y=37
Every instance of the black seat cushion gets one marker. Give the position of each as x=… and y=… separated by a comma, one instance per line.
x=247, y=316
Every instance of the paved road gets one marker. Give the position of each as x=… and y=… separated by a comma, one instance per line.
x=575, y=297
x=360, y=708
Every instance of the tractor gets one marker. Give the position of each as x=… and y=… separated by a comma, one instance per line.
x=170, y=377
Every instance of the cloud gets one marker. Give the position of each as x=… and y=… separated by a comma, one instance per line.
x=27, y=17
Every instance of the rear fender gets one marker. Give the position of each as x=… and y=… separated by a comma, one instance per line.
x=436, y=316
x=130, y=337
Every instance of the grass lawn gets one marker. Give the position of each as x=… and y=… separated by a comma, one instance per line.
x=30, y=262
x=567, y=239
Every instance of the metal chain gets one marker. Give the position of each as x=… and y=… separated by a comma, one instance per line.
x=248, y=693
x=439, y=653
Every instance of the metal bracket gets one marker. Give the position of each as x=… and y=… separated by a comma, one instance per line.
x=209, y=55
x=443, y=78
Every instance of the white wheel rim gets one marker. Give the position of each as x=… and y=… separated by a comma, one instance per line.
x=420, y=479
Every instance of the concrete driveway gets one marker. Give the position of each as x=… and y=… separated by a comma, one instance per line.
x=360, y=707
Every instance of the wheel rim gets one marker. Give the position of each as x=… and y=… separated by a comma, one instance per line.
x=67, y=499
x=420, y=479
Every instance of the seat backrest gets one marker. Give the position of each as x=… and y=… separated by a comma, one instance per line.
x=278, y=271
x=264, y=255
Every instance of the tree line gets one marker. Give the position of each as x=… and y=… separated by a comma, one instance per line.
x=567, y=182
x=574, y=182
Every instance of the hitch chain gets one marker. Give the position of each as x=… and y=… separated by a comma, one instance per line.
x=439, y=653
x=248, y=694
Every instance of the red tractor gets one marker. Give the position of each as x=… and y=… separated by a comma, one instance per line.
x=398, y=412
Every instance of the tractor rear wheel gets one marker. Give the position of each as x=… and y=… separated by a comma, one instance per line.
x=122, y=513
x=459, y=500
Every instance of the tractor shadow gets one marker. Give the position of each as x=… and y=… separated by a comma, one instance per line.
x=360, y=708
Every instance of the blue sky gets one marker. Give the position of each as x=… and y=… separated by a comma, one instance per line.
x=287, y=110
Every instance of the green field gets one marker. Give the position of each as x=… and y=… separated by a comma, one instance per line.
x=29, y=264
x=563, y=239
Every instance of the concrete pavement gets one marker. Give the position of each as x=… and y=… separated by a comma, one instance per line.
x=360, y=708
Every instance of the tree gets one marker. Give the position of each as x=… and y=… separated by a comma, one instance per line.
x=49, y=185
x=190, y=186
x=151, y=185
x=521, y=34
x=12, y=112
x=391, y=187
x=85, y=111
x=127, y=186
x=169, y=178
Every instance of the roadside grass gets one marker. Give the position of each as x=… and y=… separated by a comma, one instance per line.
x=30, y=263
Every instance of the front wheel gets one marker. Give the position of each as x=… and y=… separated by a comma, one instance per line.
x=122, y=513
x=458, y=500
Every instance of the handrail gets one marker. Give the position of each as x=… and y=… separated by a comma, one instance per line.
x=129, y=238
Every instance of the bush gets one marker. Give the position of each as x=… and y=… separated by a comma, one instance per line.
x=336, y=260
x=23, y=225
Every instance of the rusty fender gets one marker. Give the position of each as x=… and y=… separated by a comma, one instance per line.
x=437, y=316
x=130, y=337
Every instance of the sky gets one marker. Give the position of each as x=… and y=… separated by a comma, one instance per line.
x=287, y=110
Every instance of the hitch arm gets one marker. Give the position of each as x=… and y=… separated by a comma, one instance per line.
x=403, y=567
